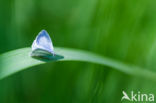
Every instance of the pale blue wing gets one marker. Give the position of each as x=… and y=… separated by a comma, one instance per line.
x=43, y=42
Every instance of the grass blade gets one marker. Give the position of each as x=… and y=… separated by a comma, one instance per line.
x=18, y=60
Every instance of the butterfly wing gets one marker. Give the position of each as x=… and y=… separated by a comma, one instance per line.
x=42, y=46
x=43, y=42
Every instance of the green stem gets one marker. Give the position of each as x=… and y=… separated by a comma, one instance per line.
x=20, y=59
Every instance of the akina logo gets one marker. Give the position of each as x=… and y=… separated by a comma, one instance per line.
x=138, y=96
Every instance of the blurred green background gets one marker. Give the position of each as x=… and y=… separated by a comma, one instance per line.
x=124, y=30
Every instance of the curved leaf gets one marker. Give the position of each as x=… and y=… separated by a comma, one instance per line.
x=20, y=59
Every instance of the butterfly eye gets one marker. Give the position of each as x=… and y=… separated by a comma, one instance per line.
x=42, y=45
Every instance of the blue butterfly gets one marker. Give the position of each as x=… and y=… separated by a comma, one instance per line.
x=42, y=45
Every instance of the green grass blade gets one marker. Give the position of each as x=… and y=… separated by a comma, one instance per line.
x=18, y=60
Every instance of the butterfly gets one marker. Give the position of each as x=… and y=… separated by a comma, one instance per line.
x=42, y=46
